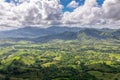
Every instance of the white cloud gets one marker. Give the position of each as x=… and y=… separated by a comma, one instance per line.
x=91, y=14
x=112, y=9
x=30, y=12
x=73, y=4
x=49, y=12
x=86, y=14
x=7, y=17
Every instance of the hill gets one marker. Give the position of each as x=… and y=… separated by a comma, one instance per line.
x=34, y=34
x=28, y=32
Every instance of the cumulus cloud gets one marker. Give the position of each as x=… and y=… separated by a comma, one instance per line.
x=91, y=14
x=7, y=17
x=43, y=13
x=73, y=4
x=20, y=13
x=30, y=12
x=112, y=9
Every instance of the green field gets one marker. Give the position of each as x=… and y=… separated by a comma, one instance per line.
x=60, y=60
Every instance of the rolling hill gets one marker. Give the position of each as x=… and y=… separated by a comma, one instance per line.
x=28, y=32
x=64, y=33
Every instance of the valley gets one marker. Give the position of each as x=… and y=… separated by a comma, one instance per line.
x=87, y=54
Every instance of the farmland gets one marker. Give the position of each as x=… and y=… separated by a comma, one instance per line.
x=60, y=60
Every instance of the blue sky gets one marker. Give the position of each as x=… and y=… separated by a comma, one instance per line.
x=81, y=2
x=8, y=0
x=50, y=13
x=66, y=2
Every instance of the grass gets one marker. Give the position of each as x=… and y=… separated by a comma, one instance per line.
x=98, y=61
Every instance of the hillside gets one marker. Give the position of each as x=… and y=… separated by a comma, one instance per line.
x=60, y=53
x=28, y=32
x=39, y=35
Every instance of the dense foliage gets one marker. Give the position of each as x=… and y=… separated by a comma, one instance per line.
x=60, y=60
x=60, y=54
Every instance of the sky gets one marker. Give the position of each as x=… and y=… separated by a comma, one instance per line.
x=66, y=2
x=71, y=13
x=80, y=3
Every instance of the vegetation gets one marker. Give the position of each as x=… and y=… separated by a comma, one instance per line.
x=86, y=55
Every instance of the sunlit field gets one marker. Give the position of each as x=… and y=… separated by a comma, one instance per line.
x=60, y=60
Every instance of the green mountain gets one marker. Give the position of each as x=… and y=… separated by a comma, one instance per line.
x=29, y=32
x=60, y=53
x=62, y=33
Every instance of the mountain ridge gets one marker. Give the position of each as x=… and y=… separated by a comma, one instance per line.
x=34, y=34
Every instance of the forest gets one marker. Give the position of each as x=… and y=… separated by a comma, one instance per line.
x=64, y=56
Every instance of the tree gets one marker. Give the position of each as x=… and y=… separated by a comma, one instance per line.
x=7, y=77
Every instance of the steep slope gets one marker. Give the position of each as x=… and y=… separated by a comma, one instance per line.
x=64, y=36
x=29, y=32
x=97, y=33
x=83, y=34
x=63, y=33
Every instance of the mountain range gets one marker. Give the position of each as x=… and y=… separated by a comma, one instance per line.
x=36, y=34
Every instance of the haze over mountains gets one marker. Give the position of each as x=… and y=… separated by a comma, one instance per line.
x=65, y=33
x=59, y=39
x=35, y=32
